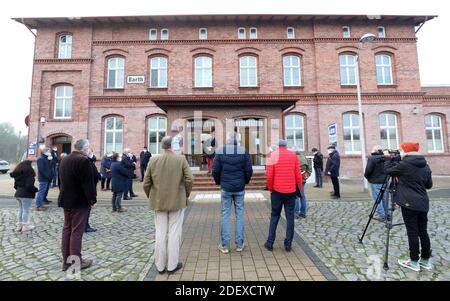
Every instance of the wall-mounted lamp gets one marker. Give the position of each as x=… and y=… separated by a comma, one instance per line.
x=415, y=111
x=43, y=120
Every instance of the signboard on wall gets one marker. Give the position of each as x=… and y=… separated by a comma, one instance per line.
x=135, y=79
x=32, y=149
x=332, y=134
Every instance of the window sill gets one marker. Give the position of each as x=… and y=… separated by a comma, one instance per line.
x=157, y=88
x=386, y=86
x=61, y=120
x=113, y=89
x=349, y=86
x=249, y=88
x=203, y=88
x=293, y=87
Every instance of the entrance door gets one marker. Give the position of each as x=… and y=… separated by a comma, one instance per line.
x=252, y=136
x=63, y=144
x=198, y=133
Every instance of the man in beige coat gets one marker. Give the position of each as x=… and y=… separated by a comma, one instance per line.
x=168, y=183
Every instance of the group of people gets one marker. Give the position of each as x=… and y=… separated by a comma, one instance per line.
x=168, y=180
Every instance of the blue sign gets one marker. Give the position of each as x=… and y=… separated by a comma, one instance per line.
x=32, y=149
x=332, y=134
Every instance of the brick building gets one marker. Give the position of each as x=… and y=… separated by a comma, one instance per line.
x=128, y=81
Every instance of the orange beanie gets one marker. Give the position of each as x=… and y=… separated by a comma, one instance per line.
x=409, y=146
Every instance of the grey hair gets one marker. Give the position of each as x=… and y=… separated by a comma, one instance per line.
x=82, y=145
x=166, y=142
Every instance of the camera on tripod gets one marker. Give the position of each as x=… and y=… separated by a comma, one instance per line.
x=394, y=155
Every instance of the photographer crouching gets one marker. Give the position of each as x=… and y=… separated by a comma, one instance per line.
x=376, y=176
x=414, y=178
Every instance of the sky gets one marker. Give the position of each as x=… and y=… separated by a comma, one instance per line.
x=18, y=43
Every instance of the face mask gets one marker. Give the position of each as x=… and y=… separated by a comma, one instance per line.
x=91, y=155
x=55, y=149
x=330, y=151
x=109, y=155
x=48, y=154
x=50, y=158
x=144, y=150
x=119, y=159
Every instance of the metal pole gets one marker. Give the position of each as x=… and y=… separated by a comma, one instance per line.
x=361, y=127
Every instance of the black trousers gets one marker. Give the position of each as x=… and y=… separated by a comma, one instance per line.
x=143, y=168
x=108, y=181
x=335, y=181
x=416, y=227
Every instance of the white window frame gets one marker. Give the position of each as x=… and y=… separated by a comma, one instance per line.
x=432, y=128
x=381, y=32
x=164, y=34
x=204, y=71
x=66, y=97
x=347, y=66
x=116, y=69
x=244, y=34
x=157, y=130
x=153, y=31
x=65, y=48
x=383, y=68
x=205, y=33
x=389, y=129
x=247, y=69
x=351, y=127
x=295, y=129
x=344, y=29
x=253, y=33
x=159, y=69
x=291, y=67
x=114, y=131
x=293, y=32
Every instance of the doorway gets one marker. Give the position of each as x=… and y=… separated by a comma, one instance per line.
x=252, y=138
x=199, y=132
x=63, y=144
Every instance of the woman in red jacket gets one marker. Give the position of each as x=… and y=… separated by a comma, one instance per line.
x=283, y=177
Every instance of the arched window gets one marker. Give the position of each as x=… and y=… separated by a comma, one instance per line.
x=253, y=33
x=352, y=142
x=388, y=131
x=157, y=127
x=158, y=72
x=63, y=102
x=295, y=131
x=116, y=71
x=113, y=134
x=347, y=64
x=248, y=71
x=241, y=33
x=65, y=46
x=433, y=129
x=291, y=70
x=384, y=69
x=203, y=71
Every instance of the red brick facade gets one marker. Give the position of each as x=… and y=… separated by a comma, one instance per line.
x=321, y=99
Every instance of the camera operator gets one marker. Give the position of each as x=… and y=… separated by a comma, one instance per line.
x=376, y=175
x=414, y=178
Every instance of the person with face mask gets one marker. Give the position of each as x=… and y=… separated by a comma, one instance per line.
x=318, y=167
x=105, y=171
x=414, y=178
x=97, y=178
x=332, y=170
x=119, y=182
x=144, y=159
x=127, y=162
x=45, y=176
x=54, y=163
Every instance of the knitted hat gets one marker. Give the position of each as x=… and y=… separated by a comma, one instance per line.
x=331, y=146
x=282, y=142
x=409, y=146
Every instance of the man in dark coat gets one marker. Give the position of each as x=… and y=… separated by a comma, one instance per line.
x=318, y=167
x=77, y=195
x=414, y=178
x=54, y=164
x=376, y=176
x=232, y=170
x=333, y=165
x=128, y=163
x=119, y=183
x=144, y=159
x=45, y=176
x=97, y=178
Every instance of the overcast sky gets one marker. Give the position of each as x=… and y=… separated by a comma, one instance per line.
x=17, y=47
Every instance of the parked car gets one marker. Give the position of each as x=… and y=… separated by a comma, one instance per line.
x=4, y=166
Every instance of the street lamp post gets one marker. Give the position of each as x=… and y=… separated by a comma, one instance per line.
x=366, y=38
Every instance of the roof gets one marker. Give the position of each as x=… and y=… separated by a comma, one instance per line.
x=249, y=18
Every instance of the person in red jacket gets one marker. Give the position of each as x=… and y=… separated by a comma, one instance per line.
x=283, y=177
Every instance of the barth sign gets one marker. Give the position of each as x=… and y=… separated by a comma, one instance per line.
x=135, y=79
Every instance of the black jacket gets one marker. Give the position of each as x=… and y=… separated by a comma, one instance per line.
x=45, y=170
x=77, y=187
x=375, y=172
x=144, y=158
x=232, y=168
x=24, y=185
x=414, y=178
x=318, y=160
x=333, y=164
x=119, y=177
x=127, y=162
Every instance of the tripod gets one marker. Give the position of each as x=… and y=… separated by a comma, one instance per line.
x=389, y=184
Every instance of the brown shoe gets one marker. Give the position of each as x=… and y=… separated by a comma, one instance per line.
x=85, y=263
x=42, y=209
x=122, y=210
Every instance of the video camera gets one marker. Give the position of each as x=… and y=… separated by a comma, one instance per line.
x=394, y=155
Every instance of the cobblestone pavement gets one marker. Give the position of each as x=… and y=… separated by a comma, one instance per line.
x=332, y=230
x=122, y=248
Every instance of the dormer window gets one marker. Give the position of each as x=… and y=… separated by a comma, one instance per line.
x=203, y=34
x=290, y=33
x=253, y=33
x=164, y=34
x=381, y=32
x=241, y=33
x=153, y=34
x=346, y=32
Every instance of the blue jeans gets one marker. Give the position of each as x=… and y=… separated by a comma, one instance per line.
x=42, y=194
x=117, y=200
x=227, y=198
x=23, y=216
x=278, y=200
x=319, y=176
x=383, y=205
x=300, y=203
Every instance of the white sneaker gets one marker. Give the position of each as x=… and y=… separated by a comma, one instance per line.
x=19, y=227
x=223, y=249
x=408, y=263
x=240, y=249
x=425, y=263
x=27, y=228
